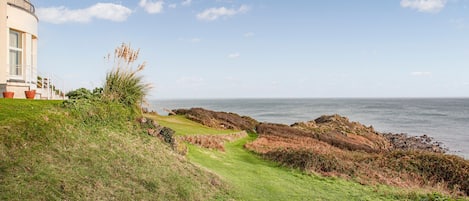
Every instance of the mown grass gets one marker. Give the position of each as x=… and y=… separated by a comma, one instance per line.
x=47, y=154
x=184, y=126
x=257, y=179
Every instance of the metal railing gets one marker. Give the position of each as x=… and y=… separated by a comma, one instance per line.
x=50, y=86
x=23, y=4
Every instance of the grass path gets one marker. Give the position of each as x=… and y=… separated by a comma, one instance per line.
x=255, y=179
x=184, y=126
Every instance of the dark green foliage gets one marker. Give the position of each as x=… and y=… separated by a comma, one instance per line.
x=83, y=93
x=95, y=112
x=91, y=109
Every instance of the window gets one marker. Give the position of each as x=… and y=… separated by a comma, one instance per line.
x=16, y=53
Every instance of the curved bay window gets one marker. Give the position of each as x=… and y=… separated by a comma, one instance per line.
x=16, y=53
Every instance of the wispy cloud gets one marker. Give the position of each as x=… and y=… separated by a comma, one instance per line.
x=172, y=5
x=421, y=74
x=152, y=7
x=248, y=34
x=186, y=2
x=215, y=13
x=105, y=11
x=429, y=6
x=234, y=55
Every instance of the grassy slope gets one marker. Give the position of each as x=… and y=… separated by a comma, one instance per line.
x=47, y=155
x=255, y=179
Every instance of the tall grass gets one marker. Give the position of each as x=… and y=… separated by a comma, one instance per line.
x=123, y=83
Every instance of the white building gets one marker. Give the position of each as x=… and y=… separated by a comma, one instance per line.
x=18, y=47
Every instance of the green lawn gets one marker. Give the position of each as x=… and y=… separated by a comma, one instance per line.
x=255, y=179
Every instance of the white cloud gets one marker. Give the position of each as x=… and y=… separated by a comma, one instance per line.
x=430, y=6
x=234, y=55
x=421, y=74
x=172, y=5
x=249, y=34
x=215, y=13
x=152, y=7
x=186, y=2
x=105, y=11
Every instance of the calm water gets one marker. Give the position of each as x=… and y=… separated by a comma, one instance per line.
x=446, y=120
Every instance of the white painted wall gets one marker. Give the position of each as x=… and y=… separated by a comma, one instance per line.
x=20, y=20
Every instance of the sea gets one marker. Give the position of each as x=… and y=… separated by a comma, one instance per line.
x=444, y=119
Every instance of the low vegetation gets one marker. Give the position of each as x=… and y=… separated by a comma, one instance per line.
x=356, y=159
x=212, y=141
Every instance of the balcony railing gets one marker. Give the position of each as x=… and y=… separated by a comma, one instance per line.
x=23, y=4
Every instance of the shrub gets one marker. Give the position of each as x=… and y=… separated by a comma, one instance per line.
x=434, y=167
x=83, y=93
x=306, y=160
x=119, y=99
x=97, y=112
x=123, y=84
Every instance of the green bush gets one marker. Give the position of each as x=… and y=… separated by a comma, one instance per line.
x=123, y=84
x=118, y=100
x=95, y=112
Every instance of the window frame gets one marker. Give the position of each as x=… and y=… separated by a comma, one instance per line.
x=17, y=67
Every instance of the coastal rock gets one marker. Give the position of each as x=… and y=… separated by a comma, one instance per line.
x=219, y=120
x=342, y=133
x=410, y=143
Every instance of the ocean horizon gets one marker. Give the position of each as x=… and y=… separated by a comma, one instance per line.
x=444, y=119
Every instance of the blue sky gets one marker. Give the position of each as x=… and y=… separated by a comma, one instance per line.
x=264, y=49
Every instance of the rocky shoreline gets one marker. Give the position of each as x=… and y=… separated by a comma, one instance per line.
x=334, y=129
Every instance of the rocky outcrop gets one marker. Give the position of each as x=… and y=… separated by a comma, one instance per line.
x=155, y=130
x=409, y=143
x=342, y=133
x=218, y=120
